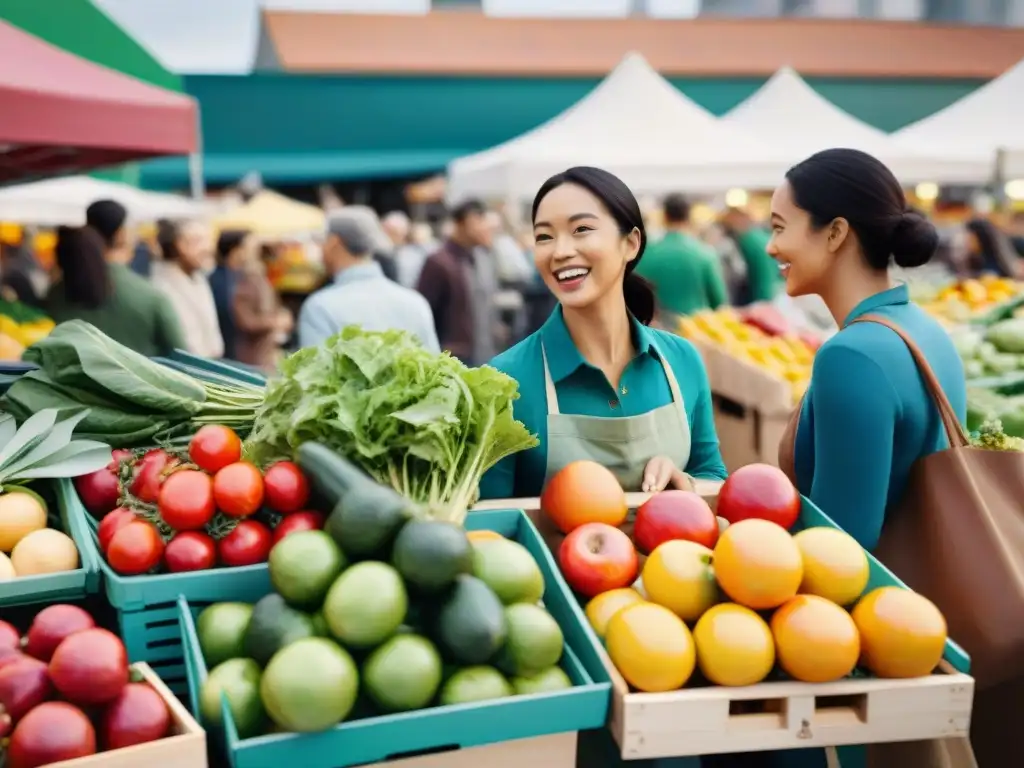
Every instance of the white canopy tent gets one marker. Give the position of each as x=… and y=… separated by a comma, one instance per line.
x=788, y=113
x=63, y=201
x=985, y=123
x=636, y=125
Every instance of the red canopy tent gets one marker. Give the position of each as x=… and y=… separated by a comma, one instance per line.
x=62, y=114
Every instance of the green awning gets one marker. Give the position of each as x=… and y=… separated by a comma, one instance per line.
x=309, y=128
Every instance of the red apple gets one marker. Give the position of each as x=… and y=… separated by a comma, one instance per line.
x=597, y=557
x=674, y=515
x=759, y=491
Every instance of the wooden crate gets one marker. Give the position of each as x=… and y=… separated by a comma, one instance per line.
x=186, y=748
x=555, y=751
x=787, y=715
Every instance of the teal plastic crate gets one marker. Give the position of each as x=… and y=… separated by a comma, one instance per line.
x=147, y=605
x=438, y=729
x=57, y=587
x=203, y=367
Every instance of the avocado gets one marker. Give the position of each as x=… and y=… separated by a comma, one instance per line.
x=470, y=625
x=274, y=625
x=430, y=554
x=366, y=520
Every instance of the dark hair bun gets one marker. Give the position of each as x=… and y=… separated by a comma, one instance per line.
x=914, y=241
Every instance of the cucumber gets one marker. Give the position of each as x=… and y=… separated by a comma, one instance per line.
x=331, y=476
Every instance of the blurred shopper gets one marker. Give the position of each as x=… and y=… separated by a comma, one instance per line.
x=408, y=256
x=683, y=269
x=360, y=294
x=231, y=246
x=460, y=290
x=514, y=266
x=181, y=276
x=1015, y=230
x=990, y=251
x=764, y=281
x=17, y=269
x=97, y=285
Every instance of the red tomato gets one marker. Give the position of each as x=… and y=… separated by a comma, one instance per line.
x=136, y=548
x=111, y=523
x=287, y=487
x=759, y=491
x=98, y=491
x=149, y=473
x=190, y=551
x=596, y=558
x=213, y=447
x=238, y=489
x=299, y=521
x=186, y=500
x=249, y=543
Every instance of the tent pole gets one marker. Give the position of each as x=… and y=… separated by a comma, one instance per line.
x=197, y=183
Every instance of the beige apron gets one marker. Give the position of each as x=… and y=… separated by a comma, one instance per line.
x=624, y=445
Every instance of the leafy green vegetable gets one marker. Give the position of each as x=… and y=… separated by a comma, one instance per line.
x=422, y=423
x=991, y=436
x=42, y=448
x=130, y=400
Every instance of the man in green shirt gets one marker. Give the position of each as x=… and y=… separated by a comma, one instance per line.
x=764, y=281
x=684, y=270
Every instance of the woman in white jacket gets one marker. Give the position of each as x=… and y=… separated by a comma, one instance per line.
x=181, y=274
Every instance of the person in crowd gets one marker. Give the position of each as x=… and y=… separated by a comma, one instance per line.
x=359, y=293
x=407, y=255
x=684, y=270
x=17, y=268
x=231, y=246
x=1015, y=231
x=990, y=250
x=512, y=262
x=596, y=381
x=838, y=220
x=97, y=285
x=180, y=274
x=459, y=290
x=763, y=281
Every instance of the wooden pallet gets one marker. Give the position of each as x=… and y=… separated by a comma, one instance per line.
x=787, y=715
x=185, y=748
x=555, y=751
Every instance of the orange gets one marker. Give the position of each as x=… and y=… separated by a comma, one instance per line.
x=601, y=609
x=584, y=492
x=902, y=633
x=835, y=566
x=734, y=645
x=679, y=576
x=816, y=640
x=758, y=564
x=475, y=536
x=651, y=647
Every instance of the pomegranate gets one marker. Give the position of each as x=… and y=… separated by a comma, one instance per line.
x=23, y=685
x=9, y=637
x=51, y=625
x=149, y=473
x=51, y=733
x=138, y=715
x=90, y=667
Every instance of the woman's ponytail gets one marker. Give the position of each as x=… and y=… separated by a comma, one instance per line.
x=639, y=297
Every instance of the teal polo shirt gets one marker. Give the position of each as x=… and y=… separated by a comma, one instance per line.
x=584, y=390
x=764, y=281
x=686, y=274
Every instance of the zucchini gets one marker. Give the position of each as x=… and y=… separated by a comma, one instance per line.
x=331, y=476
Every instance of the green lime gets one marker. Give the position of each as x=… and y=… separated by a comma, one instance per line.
x=310, y=685
x=303, y=566
x=403, y=674
x=534, y=641
x=366, y=605
x=239, y=681
x=509, y=569
x=475, y=684
x=221, y=629
x=551, y=679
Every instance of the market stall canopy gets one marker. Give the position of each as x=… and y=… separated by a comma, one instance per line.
x=269, y=214
x=636, y=125
x=985, y=123
x=790, y=114
x=64, y=114
x=63, y=201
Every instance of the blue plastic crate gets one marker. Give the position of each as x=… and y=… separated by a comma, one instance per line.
x=57, y=587
x=437, y=729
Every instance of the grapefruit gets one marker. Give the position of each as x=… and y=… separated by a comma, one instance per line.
x=734, y=646
x=758, y=564
x=835, y=566
x=584, y=492
x=679, y=576
x=902, y=633
x=601, y=609
x=816, y=640
x=651, y=647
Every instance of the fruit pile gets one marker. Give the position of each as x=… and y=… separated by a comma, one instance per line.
x=960, y=301
x=759, y=337
x=21, y=326
x=66, y=691
x=161, y=510
x=27, y=546
x=738, y=599
x=366, y=620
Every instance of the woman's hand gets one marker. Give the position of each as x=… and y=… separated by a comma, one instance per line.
x=661, y=472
